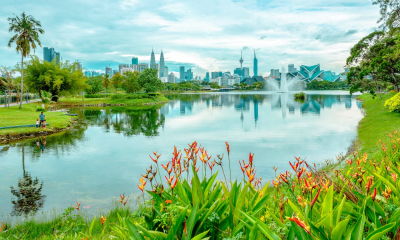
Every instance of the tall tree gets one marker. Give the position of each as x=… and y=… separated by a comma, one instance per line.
x=116, y=81
x=106, y=82
x=390, y=14
x=94, y=84
x=26, y=29
x=131, y=83
x=8, y=81
x=149, y=81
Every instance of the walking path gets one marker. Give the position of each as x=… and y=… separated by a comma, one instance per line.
x=24, y=102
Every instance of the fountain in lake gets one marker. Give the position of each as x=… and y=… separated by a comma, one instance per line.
x=284, y=85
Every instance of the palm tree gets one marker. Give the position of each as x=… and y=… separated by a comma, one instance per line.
x=26, y=29
x=106, y=82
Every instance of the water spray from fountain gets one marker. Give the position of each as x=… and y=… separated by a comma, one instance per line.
x=284, y=85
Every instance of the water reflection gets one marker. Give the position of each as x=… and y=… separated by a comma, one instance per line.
x=28, y=196
x=128, y=121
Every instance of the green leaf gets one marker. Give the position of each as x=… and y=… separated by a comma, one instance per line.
x=340, y=228
x=375, y=235
x=133, y=231
x=146, y=232
x=190, y=223
x=200, y=236
x=92, y=224
x=296, y=210
x=358, y=230
x=327, y=205
x=340, y=210
x=388, y=183
x=174, y=228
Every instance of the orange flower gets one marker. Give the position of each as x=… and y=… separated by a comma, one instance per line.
x=227, y=147
x=374, y=195
x=154, y=160
x=3, y=227
x=126, y=201
x=77, y=208
x=169, y=180
x=141, y=187
x=387, y=193
x=315, y=198
x=103, y=220
x=297, y=158
x=251, y=159
x=168, y=201
x=251, y=178
x=300, y=223
x=165, y=167
x=174, y=184
x=369, y=184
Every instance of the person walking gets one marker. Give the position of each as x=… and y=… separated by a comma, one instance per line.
x=42, y=118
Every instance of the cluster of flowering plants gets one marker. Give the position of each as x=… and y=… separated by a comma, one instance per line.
x=357, y=198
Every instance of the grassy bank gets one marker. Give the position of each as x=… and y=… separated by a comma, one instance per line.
x=28, y=115
x=108, y=100
x=376, y=124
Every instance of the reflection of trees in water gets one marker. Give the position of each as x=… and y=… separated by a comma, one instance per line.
x=128, y=121
x=28, y=194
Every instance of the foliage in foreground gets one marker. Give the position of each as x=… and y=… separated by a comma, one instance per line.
x=357, y=198
x=393, y=103
x=300, y=96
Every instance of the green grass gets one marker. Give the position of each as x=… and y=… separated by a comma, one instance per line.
x=377, y=122
x=28, y=115
x=69, y=225
x=78, y=101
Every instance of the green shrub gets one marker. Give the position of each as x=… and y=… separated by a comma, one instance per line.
x=41, y=109
x=300, y=96
x=135, y=96
x=392, y=91
x=393, y=103
x=94, y=95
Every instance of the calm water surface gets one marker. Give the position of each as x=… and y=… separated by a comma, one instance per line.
x=105, y=155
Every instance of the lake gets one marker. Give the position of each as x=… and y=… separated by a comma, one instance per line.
x=104, y=155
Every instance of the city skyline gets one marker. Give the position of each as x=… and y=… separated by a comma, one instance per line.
x=285, y=32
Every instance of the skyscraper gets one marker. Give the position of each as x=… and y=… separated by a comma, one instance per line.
x=142, y=67
x=165, y=71
x=182, y=73
x=121, y=66
x=246, y=72
x=162, y=65
x=109, y=71
x=291, y=68
x=171, y=78
x=189, y=75
x=207, y=78
x=57, y=57
x=152, y=58
x=49, y=54
x=255, y=64
x=135, y=60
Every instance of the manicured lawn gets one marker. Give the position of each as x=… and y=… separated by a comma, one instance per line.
x=377, y=123
x=28, y=115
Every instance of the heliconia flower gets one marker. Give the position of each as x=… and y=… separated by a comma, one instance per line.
x=141, y=187
x=301, y=201
x=78, y=205
x=387, y=193
x=326, y=185
x=122, y=197
x=300, y=223
x=368, y=184
x=126, y=201
x=168, y=201
x=103, y=220
x=141, y=180
x=174, y=184
x=394, y=176
x=315, y=198
x=251, y=178
x=165, y=167
x=169, y=180
x=211, y=166
x=251, y=158
x=283, y=178
x=3, y=227
x=374, y=195
x=300, y=173
x=297, y=158
x=197, y=169
x=294, y=167
x=227, y=147
x=187, y=151
x=154, y=160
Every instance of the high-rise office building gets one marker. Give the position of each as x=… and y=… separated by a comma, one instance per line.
x=77, y=65
x=152, y=58
x=88, y=73
x=207, y=78
x=49, y=54
x=109, y=71
x=189, y=75
x=291, y=68
x=142, y=67
x=94, y=73
x=171, y=78
x=275, y=73
x=165, y=71
x=121, y=66
x=162, y=65
x=182, y=73
x=246, y=72
x=135, y=60
x=255, y=64
x=216, y=74
x=114, y=72
x=238, y=71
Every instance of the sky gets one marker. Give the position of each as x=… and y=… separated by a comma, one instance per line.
x=205, y=36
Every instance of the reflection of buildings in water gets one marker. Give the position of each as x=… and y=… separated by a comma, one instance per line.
x=185, y=106
x=255, y=102
x=359, y=104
